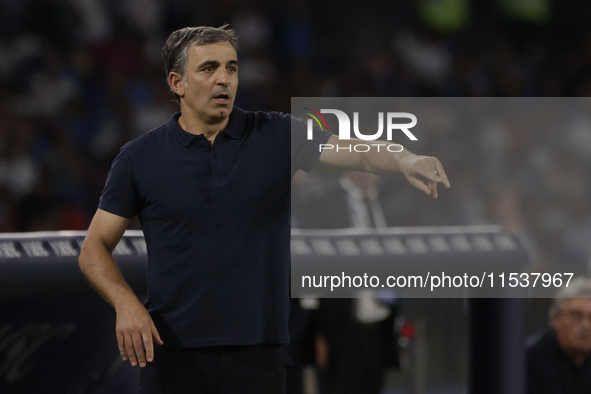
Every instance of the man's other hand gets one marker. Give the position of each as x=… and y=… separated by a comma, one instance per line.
x=136, y=334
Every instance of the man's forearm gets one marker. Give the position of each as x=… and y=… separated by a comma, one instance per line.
x=423, y=172
x=381, y=158
x=136, y=332
x=384, y=161
x=97, y=264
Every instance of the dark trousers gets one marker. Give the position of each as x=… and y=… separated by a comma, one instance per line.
x=358, y=367
x=217, y=370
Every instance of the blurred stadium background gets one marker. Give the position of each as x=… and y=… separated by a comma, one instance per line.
x=79, y=78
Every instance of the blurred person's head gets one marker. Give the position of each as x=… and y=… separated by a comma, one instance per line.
x=570, y=316
x=202, y=69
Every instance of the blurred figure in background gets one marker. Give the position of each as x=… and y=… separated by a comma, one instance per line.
x=355, y=339
x=558, y=359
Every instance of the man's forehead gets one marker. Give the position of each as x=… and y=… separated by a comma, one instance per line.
x=577, y=303
x=222, y=50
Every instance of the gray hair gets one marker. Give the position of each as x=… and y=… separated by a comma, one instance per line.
x=578, y=288
x=175, y=53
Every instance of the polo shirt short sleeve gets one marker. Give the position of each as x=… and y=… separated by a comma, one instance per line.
x=305, y=153
x=119, y=196
x=216, y=222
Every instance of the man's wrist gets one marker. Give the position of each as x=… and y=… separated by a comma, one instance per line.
x=404, y=160
x=125, y=301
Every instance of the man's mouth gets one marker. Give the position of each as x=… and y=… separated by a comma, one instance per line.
x=222, y=98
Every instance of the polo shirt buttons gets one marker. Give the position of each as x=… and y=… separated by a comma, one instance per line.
x=215, y=157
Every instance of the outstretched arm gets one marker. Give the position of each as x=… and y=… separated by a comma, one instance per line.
x=381, y=161
x=135, y=328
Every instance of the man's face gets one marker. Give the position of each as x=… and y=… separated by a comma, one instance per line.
x=573, y=326
x=210, y=82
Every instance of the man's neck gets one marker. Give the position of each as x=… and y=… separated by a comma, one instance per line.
x=194, y=125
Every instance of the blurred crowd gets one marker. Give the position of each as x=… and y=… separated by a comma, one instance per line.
x=79, y=78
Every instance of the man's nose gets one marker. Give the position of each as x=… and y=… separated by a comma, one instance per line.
x=223, y=77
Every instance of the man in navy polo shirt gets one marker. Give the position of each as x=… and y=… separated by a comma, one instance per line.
x=211, y=189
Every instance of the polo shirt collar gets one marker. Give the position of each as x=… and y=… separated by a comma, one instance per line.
x=177, y=131
x=234, y=129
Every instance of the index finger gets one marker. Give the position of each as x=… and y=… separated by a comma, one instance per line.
x=442, y=174
x=419, y=184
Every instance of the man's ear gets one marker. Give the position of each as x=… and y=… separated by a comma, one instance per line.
x=176, y=83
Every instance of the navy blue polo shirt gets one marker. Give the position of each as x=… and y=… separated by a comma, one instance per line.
x=217, y=225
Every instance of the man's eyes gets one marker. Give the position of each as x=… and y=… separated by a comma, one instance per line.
x=231, y=69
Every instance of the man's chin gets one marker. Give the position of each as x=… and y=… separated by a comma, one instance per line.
x=221, y=113
x=225, y=108
x=224, y=113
